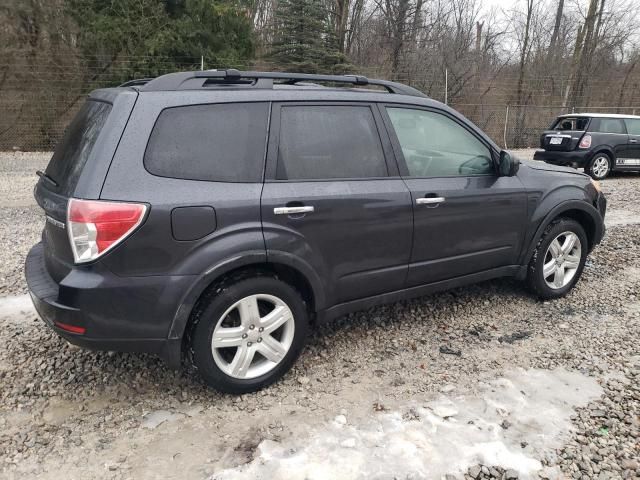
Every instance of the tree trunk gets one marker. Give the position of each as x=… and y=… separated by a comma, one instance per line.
x=556, y=29
x=585, y=46
x=342, y=15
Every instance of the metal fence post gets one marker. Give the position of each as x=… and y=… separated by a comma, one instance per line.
x=506, y=122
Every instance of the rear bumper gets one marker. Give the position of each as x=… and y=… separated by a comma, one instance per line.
x=575, y=158
x=96, y=309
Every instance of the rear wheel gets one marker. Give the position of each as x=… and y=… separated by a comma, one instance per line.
x=599, y=166
x=558, y=259
x=248, y=334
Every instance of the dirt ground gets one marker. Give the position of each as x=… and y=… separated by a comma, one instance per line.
x=479, y=382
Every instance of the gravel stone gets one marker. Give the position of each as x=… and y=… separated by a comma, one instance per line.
x=69, y=412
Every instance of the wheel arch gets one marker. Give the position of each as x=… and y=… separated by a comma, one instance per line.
x=285, y=267
x=580, y=211
x=603, y=149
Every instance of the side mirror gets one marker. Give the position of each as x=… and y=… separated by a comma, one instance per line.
x=509, y=165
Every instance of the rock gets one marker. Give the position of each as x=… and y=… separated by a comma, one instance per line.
x=629, y=464
x=514, y=337
x=511, y=474
x=450, y=351
x=303, y=380
x=474, y=471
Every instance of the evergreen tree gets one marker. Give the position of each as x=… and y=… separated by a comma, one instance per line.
x=303, y=39
x=146, y=38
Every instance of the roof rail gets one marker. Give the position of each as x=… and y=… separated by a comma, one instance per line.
x=199, y=79
x=137, y=82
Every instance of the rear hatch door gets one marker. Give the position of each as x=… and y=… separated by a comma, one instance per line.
x=565, y=134
x=77, y=169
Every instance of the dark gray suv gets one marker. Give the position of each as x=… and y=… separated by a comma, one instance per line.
x=211, y=216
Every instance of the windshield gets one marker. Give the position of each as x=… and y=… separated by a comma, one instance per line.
x=571, y=123
x=73, y=150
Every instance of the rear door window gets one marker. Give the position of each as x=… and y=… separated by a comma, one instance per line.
x=73, y=150
x=633, y=126
x=218, y=142
x=608, y=125
x=324, y=142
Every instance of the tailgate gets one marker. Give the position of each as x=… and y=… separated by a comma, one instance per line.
x=62, y=174
x=560, y=141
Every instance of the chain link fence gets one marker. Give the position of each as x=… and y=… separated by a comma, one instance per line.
x=520, y=126
x=35, y=108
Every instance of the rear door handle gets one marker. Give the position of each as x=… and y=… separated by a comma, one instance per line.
x=633, y=140
x=292, y=210
x=429, y=200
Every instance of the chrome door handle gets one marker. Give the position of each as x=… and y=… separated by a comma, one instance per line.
x=292, y=210
x=633, y=140
x=429, y=200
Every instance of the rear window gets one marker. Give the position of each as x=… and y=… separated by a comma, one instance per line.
x=72, y=152
x=322, y=142
x=608, y=125
x=217, y=143
x=571, y=123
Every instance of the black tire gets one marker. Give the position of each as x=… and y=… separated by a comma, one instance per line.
x=215, y=304
x=598, y=157
x=535, y=277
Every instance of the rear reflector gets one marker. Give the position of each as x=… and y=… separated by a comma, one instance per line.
x=70, y=328
x=96, y=226
x=585, y=142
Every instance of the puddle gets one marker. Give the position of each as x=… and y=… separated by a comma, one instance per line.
x=513, y=422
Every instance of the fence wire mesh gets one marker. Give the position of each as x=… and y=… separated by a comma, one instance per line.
x=36, y=103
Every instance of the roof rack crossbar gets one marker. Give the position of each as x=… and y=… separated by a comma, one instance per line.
x=184, y=80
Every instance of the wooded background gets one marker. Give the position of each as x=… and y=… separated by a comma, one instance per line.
x=511, y=70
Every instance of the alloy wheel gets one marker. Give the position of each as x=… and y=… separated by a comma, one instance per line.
x=253, y=336
x=600, y=167
x=562, y=260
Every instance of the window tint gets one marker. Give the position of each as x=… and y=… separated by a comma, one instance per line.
x=219, y=143
x=633, y=126
x=570, y=123
x=608, y=125
x=72, y=152
x=318, y=142
x=434, y=145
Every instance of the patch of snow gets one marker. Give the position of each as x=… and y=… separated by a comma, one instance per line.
x=512, y=422
x=16, y=305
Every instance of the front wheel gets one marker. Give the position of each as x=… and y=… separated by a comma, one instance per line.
x=248, y=334
x=558, y=259
x=599, y=166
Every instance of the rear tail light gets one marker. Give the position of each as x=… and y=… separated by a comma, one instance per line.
x=585, y=142
x=96, y=226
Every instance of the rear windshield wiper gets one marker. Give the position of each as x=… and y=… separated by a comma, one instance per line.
x=48, y=178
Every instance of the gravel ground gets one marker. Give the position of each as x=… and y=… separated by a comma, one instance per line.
x=66, y=412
